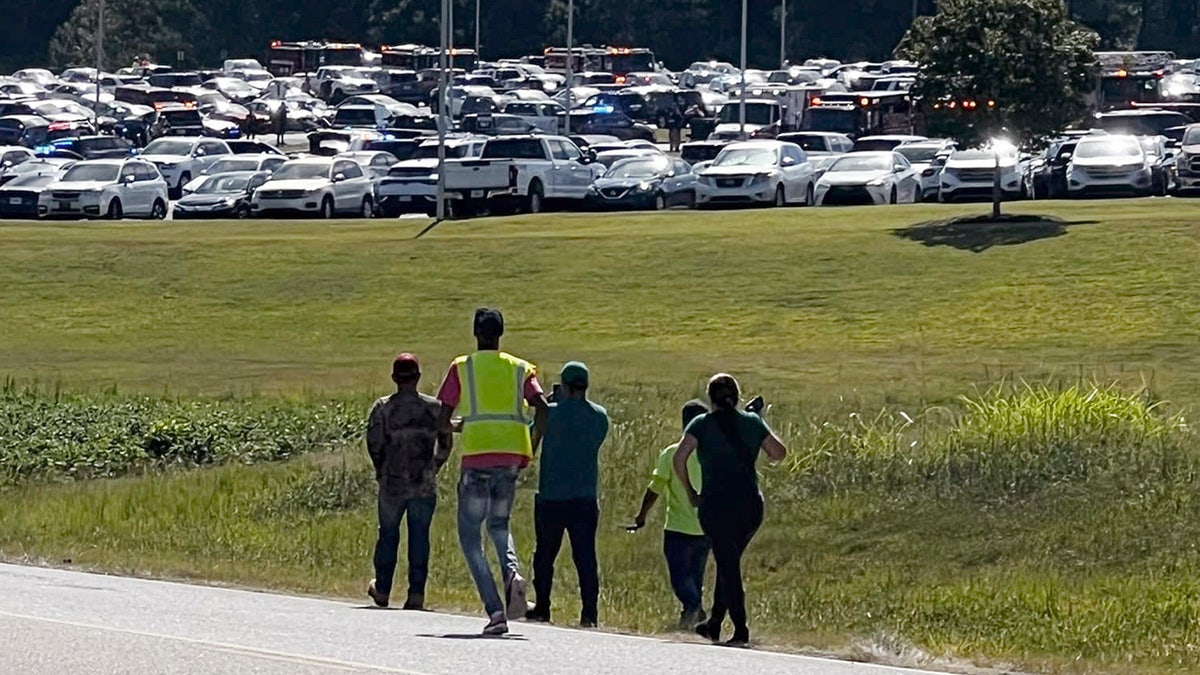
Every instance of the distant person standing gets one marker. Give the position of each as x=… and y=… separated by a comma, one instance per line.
x=279, y=122
x=675, y=122
x=567, y=501
x=408, y=448
x=685, y=545
x=727, y=442
x=493, y=391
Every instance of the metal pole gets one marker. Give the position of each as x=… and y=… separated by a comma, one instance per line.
x=443, y=112
x=783, y=34
x=450, y=39
x=99, y=59
x=742, y=93
x=570, y=59
x=914, y=10
x=477, y=30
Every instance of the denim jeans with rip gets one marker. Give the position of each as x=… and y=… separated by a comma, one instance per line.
x=485, y=497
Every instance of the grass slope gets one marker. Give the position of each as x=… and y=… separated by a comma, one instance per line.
x=1067, y=552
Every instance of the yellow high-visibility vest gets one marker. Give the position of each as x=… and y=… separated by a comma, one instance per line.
x=494, y=412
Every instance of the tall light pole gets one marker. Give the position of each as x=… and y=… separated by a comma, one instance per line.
x=570, y=58
x=99, y=57
x=443, y=111
x=477, y=31
x=742, y=92
x=783, y=34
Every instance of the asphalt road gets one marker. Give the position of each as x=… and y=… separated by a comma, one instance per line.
x=56, y=621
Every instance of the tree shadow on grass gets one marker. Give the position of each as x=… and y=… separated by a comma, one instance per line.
x=979, y=233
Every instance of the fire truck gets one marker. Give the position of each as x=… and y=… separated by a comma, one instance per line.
x=1128, y=78
x=288, y=58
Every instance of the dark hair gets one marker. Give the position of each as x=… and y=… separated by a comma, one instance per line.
x=724, y=394
x=693, y=409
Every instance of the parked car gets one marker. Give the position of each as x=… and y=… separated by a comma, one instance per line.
x=869, y=178
x=521, y=172
x=1188, y=162
x=40, y=166
x=650, y=182
x=320, y=186
x=375, y=163
x=11, y=157
x=927, y=159
x=19, y=196
x=334, y=83
x=817, y=143
x=266, y=164
x=757, y=172
x=224, y=195
x=92, y=147
x=1109, y=165
x=884, y=142
x=411, y=184
x=1163, y=170
x=970, y=174
x=106, y=188
x=30, y=131
x=180, y=159
x=1048, y=173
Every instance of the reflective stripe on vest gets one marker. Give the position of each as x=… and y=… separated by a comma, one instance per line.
x=494, y=411
x=473, y=397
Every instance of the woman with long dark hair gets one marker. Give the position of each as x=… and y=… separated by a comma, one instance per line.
x=727, y=442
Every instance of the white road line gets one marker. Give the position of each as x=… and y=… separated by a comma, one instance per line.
x=298, y=659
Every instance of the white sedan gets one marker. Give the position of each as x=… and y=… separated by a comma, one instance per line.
x=320, y=186
x=869, y=178
x=757, y=172
x=106, y=188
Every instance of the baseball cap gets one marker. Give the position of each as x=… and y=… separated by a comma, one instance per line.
x=406, y=364
x=489, y=322
x=575, y=373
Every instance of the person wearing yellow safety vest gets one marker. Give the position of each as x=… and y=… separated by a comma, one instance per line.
x=492, y=392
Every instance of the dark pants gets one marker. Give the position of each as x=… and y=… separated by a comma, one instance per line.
x=420, y=515
x=730, y=524
x=579, y=519
x=687, y=558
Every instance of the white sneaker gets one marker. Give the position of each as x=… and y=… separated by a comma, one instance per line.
x=516, y=593
x=498, y=625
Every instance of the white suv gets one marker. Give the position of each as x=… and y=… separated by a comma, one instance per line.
x=1109, y=165
x=106, y=188
x=180, y=159
x=757, y=172
x=320, y=186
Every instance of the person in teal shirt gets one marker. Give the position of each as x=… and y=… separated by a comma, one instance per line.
x=685, y=546
x=567, y=499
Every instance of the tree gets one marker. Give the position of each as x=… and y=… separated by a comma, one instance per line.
x=1022, y=66
x=158, y=28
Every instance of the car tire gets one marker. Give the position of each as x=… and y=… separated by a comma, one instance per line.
x=660, y=201
x=367, y=210
x=780, y=197
x=691, y=201
x=159, y=210
x=534, y=202
x=327, y=208
x=810, y=195
x=114, y=210
x=242, y=212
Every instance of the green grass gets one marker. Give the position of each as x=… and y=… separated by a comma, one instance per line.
x=1049, y=525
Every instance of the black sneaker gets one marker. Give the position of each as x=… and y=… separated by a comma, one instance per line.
x=380, y=599
x=538, y=615
x=741, y=638
x=688, y=620
x=415, y=603
x=588, y=622
x=708, y=631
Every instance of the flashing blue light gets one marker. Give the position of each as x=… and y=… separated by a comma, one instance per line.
x=44, y=150
x=604, y=109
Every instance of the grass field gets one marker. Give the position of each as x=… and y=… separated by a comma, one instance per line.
x=1015, y=531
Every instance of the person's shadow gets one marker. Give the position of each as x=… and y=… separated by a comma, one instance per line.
x=474, y=636
x=979, y=233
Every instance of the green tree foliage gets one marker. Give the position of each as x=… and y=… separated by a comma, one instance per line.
x=158, y=28
x=1023, y=66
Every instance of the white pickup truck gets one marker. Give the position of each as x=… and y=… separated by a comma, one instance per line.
x=411, y=184
x=521, y=173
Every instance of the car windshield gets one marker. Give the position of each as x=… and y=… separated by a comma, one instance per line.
x=636, y=168
x=746, y=157
x=1192, y=136
x=973, y=155
x=166, y=146
x=81, y=173
x=228, y=165
x=301, y=171
x=431, y=151
x=919, y=153
x=810, y=143
x=1109, y=147
x=223, y=184
x=862, y=163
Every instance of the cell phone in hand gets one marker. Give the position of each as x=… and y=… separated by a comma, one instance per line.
x=756, y=405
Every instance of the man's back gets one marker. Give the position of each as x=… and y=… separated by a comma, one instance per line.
x=402, y=437
x=570, y=452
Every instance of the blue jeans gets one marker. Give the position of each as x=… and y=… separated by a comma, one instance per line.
x=687, y=557
x=486, y=496
x=420, y=514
